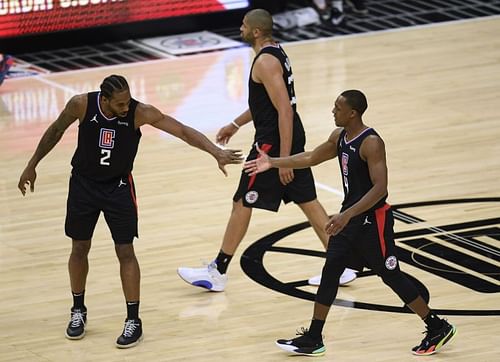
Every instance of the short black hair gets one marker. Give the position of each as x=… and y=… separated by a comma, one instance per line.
x=262, y=19
x=356, y=99
x=113, y=83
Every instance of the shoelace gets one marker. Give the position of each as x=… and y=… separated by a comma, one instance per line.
x=129, y=328
x=209, y=264
x=211, y=268
x=426, y=339
x=77, y=319
x=303, y=331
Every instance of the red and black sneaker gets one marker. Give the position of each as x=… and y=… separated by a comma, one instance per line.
x=435, y=339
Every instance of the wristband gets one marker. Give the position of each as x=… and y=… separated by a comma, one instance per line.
x=235, y=124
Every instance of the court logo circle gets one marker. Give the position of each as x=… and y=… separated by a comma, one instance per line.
x=463, y=252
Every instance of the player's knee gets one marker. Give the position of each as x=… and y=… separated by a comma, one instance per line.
x=80, y=248
x=239, y=208
x=401, y=285
x=125, y=252
x=392, y=278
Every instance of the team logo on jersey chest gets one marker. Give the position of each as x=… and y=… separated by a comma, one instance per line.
x=345, y=161
x=107, y=138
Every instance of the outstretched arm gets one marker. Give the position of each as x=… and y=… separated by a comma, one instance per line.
x=74, y=109
x=325, y=151
x=147, y=114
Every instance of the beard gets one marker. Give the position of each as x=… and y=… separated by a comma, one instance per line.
x=249, y=39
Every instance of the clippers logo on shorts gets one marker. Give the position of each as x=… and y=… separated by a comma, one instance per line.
x=391, y=262
x=345, y=161
x=107, y=138
x=251, y=197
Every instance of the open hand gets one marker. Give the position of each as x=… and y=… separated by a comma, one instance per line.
x=228, y=156
x=260, y=164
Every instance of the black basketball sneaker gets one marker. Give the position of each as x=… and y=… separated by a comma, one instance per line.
x=131, y=335
x=76, y=326
x=303, y=345
x=435, y=339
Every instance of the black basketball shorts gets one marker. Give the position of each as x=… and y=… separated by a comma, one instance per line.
x=367, y=241
x=265, y=190
x=116, y=200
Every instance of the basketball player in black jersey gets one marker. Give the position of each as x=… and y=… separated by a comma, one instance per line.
x=362, y=232
x=279, y=132
x=101, y=180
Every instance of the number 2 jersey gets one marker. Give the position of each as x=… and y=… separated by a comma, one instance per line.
x=106, y=146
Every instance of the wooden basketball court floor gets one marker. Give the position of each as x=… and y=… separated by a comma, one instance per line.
x=434, y=95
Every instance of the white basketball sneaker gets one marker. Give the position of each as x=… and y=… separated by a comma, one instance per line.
x=347, y=276
x=207, y=277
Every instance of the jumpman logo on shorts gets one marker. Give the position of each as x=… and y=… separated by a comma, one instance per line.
x=367, y=222
x=122, y=183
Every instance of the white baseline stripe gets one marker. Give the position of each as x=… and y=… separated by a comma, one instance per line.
x=329, y=189
x=54, y=84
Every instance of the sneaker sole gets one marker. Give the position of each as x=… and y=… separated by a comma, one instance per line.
x=292, y=350
x=440, y=345
x=74, y=338
x=205, y=284
x=130, y=345
x=347, y=279
x=342, y=281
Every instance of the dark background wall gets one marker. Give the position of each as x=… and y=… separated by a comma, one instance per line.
x=118, y=32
